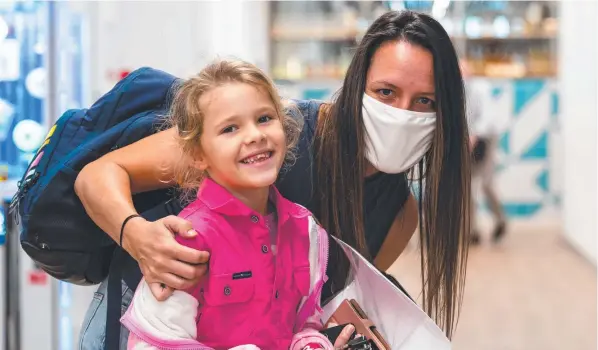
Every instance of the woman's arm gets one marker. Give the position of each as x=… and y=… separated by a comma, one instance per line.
x=105, y=188
x=399, y=235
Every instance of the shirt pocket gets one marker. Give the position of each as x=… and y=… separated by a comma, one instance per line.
x=227, y=306
x=223, y=290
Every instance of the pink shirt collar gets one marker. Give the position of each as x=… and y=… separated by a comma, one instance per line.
x=220, y=200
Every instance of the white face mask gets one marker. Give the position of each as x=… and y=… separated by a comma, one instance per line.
x=397, y=138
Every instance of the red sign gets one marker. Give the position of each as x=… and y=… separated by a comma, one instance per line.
x=38, y=277
x=117, y=74
x=123, y=73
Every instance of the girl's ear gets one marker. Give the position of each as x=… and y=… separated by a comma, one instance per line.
x=199, y=160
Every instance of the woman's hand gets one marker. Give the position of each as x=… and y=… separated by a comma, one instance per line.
x=161, y=258
x=344, y=337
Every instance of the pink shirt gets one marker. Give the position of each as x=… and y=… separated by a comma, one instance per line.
x=251, y=296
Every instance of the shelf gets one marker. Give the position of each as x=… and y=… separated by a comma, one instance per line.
x=315, y=47
x=334, y=83
x=320, y=81
x=506, y=76
x=314, y=34
x=342, y=34
x=509, y=38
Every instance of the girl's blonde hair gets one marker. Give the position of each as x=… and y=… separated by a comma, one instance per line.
x=187, y=117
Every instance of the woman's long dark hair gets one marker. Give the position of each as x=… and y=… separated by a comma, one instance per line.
x=444, y=171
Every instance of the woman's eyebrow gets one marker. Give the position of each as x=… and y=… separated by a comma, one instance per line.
x=391, y=85
x=383, y=82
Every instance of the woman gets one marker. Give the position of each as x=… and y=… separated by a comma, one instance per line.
x=365, y=141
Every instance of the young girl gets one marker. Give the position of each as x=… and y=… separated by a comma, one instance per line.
x=268, y=257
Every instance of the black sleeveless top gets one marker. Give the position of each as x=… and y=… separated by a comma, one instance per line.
x=384, y=194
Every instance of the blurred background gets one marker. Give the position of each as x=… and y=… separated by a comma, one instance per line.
x=532, y=65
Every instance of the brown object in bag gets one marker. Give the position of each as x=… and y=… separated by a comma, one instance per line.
x=349, y=311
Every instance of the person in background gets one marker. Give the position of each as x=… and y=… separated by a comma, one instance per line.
x=483, y=140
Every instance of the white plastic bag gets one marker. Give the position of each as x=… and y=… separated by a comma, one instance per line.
x=401, y=322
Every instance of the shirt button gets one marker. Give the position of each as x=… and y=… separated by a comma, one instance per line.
x=227, y=290
x=254, y=219
x=276, y=295
x=264, y=249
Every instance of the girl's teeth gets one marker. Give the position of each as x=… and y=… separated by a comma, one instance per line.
x=256, y=158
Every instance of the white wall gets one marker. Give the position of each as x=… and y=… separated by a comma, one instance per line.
x=578, y=75
x=178, y=37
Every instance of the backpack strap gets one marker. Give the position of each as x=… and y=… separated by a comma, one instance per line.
x=114, y=294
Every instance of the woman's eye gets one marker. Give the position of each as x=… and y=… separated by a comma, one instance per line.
x=229, y=129
x=264, y=119
x=385, y=92
x=427, y=102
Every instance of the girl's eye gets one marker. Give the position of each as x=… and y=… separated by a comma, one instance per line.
x=264, y=119
x=229, y=129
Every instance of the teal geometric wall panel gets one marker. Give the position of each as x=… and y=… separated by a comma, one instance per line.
x=516, y=209
x=504, y=142
x=538, y=149
x=497, y=92
x=554, y=105
x=524, y=92
x=542, y=180
x=526, y=114
x=521, y=209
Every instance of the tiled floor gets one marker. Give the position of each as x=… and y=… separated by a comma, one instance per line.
x=531, y=292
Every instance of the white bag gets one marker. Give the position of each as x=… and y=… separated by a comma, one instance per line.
x=402, y=323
